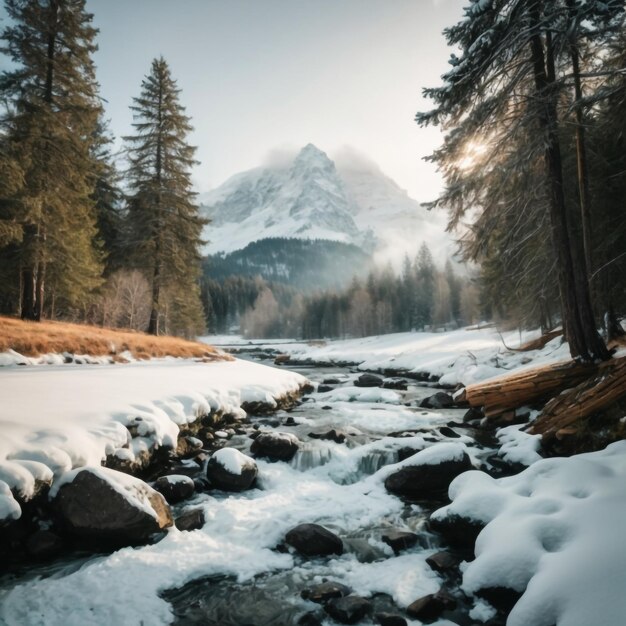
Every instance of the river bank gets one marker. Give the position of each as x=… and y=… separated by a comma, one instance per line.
x=372, y=461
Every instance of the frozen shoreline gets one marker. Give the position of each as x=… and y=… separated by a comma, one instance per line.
x=54, y=418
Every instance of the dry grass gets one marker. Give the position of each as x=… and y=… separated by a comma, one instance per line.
x=36, y=338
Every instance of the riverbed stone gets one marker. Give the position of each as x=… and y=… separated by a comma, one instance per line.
x=458, y=530
x=314, y=540
x=223, y=478
x=473, y=414
x=330, y=435
x=442, y=562
x=324, y=388
x=190, y=520
x=430, y=607
x=103, y=504
x=349, y=609
x=175, y=487
x=389, y=619
x=188, y=447
x=275, y=446
x=426, y=481
x=368, y=380
x=325, y=591
x=399, y=540
x=439, y=400
x=446, y=431
x=399, y=384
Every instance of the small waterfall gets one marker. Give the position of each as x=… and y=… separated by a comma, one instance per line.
x=310, y=456
x=375, y=459
x=366, y=465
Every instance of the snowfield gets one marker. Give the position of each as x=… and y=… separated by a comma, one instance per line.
x=57, y=417
x=462, y=356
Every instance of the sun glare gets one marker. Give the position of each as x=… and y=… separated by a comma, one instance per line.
x=472, y=155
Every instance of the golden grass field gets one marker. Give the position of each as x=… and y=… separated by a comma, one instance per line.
x=36, y=338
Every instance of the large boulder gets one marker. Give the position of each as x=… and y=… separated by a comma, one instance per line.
x=103, y=504
x=428, y=473
x=314, y=540
x=231, y=470
x=368, y=380
x=275, y=446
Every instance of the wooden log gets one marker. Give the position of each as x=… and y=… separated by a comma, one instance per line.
x=564, y=414
x=528, y=387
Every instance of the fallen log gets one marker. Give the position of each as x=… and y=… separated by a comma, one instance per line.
x=526, y=388
x=563, y=415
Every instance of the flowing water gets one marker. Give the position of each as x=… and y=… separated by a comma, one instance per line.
x=335, y=482
x=331, y=469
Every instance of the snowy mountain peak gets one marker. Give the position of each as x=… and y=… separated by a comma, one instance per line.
x=311, y=157
x=314, y=197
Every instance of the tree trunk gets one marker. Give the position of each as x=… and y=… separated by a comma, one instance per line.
x=27, y=309
x=584, y=341
x=28, y=274
x=153, y=326
x=581, y=153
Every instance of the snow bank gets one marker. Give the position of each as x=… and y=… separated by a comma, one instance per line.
x=555, y=533
x=463, y=356
x=56, y=418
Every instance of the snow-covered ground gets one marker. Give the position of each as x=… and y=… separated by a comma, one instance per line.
x=462, y=356
x=57, y=417
x=555, y=533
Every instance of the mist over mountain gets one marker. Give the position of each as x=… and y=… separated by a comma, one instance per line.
x=310, y=196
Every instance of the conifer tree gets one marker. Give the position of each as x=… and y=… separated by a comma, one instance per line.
x=506, y=82
x=164, y=226
x=48, y=124
x=107, y=197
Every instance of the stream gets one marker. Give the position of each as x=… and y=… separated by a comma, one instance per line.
x=331, y=483
x=376, y=434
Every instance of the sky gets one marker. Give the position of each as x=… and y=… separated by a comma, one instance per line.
x=261, y=75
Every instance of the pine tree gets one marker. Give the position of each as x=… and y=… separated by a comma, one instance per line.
x=425, y=290
x=507, y=81
x=107, y=197
x=164, y=227
x=48, y=124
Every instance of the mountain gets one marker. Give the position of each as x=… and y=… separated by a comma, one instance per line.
x=306, y=264
x=312, y=197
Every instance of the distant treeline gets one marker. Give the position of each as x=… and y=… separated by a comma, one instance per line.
x=308, y=264
x=419, y=297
